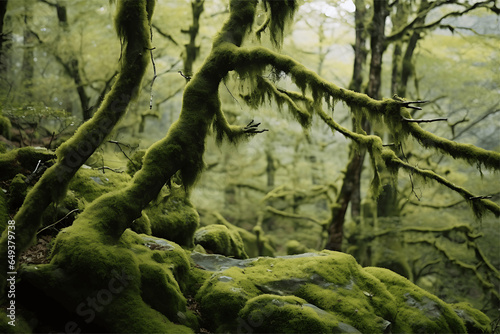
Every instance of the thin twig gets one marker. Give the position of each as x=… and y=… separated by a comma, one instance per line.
x=410, y=120
x=111, y=169
x=57, y=222
x=154, y=78
x=406, y=104
x=479, y=197
x=125, y=154
x=232, y=95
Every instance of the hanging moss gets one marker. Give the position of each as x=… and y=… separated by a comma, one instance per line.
x=470, y=153
x=281, y=13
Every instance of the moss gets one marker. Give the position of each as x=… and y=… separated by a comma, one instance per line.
x=219, y=239
x=175, y=218
x=295, y=247
x=89, y=184
x=142, y=224
x=327, y=290
x=281, y=13
x=21, y=325
x=133, y=282
x=4, y=212
x=17, y=191
x=22, y=160
x=5, y=126
x=288, y=314
x=470, y=153
x=475, y=321
x=254, y=246
x=428, y=313
x=60, y=210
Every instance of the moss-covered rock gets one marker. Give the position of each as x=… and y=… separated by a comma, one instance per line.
x=133, y=286
x=294, y=247
x=288, y=314
x=91, y=183
x=254, y=246
x=219, y=239
x=174, y=218
x=475, y=321
x=328, y=291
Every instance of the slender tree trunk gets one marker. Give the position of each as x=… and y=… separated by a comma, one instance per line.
x=191, y=51
x=350, y=190
x=3, y=37
x=28, y=64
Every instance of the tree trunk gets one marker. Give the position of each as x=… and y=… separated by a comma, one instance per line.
x=3, y=37
x=191, y=51
x=28, y=64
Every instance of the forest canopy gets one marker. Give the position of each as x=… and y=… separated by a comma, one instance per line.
x=173, y=146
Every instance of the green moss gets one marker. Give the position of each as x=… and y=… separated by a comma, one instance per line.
x=475, y=321
x=5, y=126
x=288, y=314
x=428, y=313
x=254, y=246
x=295, y=247
x=219, y=239
x=142, y=224
x=175, y=218
x=4, y=212
x=329, y=291
x=134, y=280
x=89, y=184
x=22, y=160
x=21, y=325
x=470, y=153
x=281, y=13
x=17, y=191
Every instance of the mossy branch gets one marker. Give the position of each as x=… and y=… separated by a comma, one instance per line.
x=132, y=24
x=293, y=215
x=392, y=112
x=378, y=153
x=468, y=152
x=474, y=268
x=478, y=204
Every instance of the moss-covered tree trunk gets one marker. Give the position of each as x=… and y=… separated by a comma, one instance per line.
x=133, y=26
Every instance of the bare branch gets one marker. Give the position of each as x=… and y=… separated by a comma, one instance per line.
x=424, y=120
